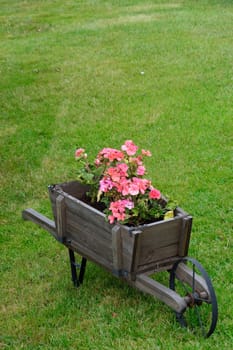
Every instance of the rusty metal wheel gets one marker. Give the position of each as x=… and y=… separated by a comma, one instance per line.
x=189, y=279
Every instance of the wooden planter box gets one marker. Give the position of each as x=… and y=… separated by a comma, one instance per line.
x=124, y=251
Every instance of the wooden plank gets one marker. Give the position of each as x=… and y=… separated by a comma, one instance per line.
x=185, y=236
x=89, y=234
x=162, y=235
x=91, y=255
x=166, y=295
x=61, y=217
x=41, y=220
x=86, y=234
x=155, y=254
x=135, y=255
x=160, y=242
x=92, y=229
x=117, y=250
x=127, y=248
x=53, y=196
x=84, y=208
x=98, y=247
x=161, y=265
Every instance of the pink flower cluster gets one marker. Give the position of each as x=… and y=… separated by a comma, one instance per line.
x=111, y=154
x=120, y=176
x=118, y=209
x=129, y=147
x=124, y=179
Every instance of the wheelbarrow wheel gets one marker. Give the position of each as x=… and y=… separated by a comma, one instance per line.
x=189, y=279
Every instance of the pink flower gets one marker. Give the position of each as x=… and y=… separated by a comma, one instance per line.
x=123, y=186
x=129, y=147
x=111, y=154
x=118, y=173
x=114, y=174
x=80, y=152
x=123, y=168
x=133, y=189
x=120, y=216
x=141, y=170
x=142, y=184
x=117, y=206
x=146, y=153
x=118, y=209
x=105, y=185
x=111, y=219
x=154, y=193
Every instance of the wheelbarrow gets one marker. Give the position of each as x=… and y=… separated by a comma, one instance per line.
x=133, y=254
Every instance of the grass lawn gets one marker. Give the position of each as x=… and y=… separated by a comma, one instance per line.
x=92, y=74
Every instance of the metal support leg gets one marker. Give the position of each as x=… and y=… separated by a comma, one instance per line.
x=73, y=268
x=82, y=270
x=77, y=280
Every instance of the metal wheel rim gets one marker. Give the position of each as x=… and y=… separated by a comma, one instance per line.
x=213, y=300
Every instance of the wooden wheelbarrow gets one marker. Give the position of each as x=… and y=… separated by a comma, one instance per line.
x=133, y=254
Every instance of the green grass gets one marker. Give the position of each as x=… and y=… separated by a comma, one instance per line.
x=71, y=76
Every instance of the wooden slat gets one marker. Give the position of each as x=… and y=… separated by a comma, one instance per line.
x=167, y=232
x=61, y=217
x=159, y=242
x=136, y=248
x=84, y=208
x=74, y=188
x=91, y=255
x=161, y=265
x=117, y=250
x=127, y=248
x=75, y=222
x=87, y=214
x=155, y=254
x=185, y=236
x=87, y=234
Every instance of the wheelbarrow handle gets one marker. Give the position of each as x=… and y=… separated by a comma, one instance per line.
x=40, y=220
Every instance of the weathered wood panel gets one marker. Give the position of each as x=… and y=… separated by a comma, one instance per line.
x=87, y=235
x=89, y=254
x=155, y=266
